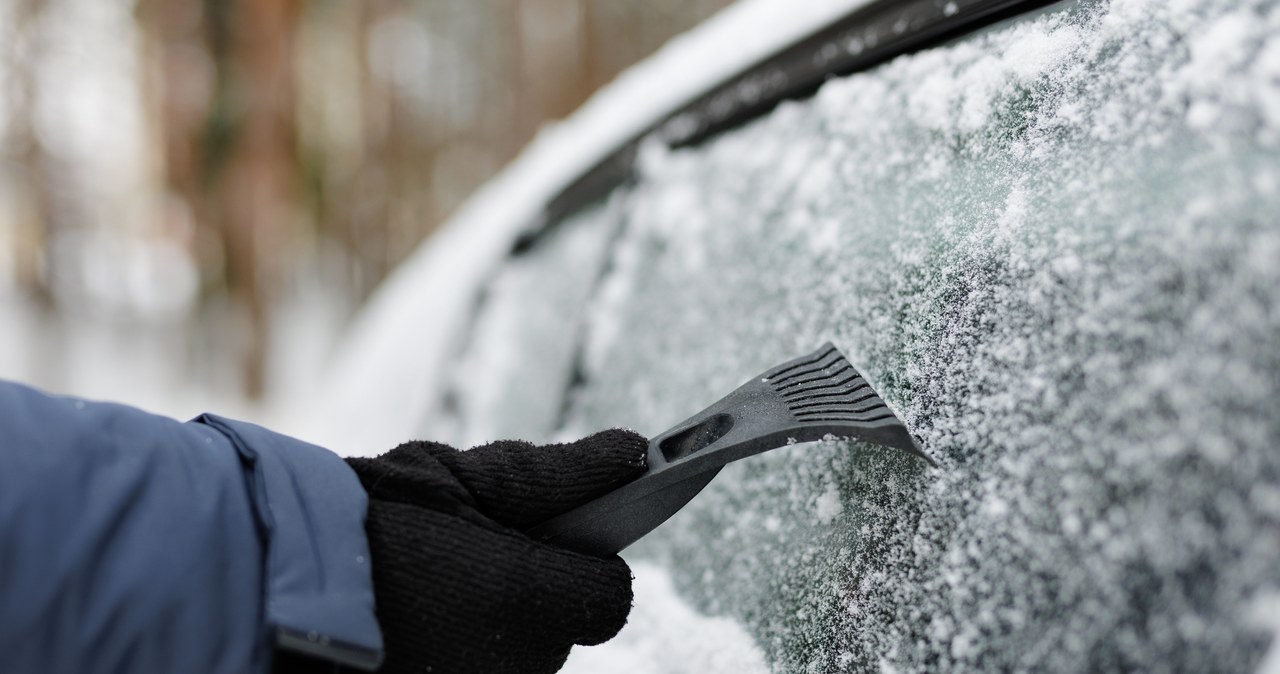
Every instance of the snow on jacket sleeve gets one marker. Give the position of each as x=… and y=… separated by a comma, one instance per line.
x=133, y=542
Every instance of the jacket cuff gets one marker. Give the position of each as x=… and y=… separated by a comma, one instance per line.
x=312, y=508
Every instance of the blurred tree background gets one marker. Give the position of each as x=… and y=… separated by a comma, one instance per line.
x=199, y=190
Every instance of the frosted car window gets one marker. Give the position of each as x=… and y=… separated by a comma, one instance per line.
x=1054, y=247
x=533, y=306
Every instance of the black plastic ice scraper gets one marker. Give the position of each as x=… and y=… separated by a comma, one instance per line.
x=802, y=400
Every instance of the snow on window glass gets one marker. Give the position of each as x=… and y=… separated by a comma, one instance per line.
x=1054, y=247
x=500, y=388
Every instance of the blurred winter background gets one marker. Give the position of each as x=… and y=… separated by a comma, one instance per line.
x=196, y=195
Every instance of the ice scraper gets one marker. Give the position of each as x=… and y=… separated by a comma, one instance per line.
x=802, y=400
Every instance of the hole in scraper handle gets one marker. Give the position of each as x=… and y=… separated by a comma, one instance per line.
x=695, y=437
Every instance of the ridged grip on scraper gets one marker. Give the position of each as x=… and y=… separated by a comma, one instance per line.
x=802, y=400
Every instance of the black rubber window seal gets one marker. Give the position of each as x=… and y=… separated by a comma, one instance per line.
x=868, y=36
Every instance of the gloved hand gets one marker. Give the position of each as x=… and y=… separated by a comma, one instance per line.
x=459, y=588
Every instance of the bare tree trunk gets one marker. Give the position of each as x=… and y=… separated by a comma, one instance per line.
x=226, y=99
x=40, y=217
x=255, y=188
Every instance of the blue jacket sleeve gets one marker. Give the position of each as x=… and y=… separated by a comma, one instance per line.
x=132, y=542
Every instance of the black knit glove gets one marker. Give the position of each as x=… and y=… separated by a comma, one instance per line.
x=459, y=588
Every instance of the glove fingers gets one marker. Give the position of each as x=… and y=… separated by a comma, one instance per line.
x=458, y=598
x=519, y=484
x=578, y=598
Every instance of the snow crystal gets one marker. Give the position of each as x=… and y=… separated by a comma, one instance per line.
x=828, y=507
x=1265, y=613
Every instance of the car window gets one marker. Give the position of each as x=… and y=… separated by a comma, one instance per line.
x=1053, y=247
x=534, y=305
